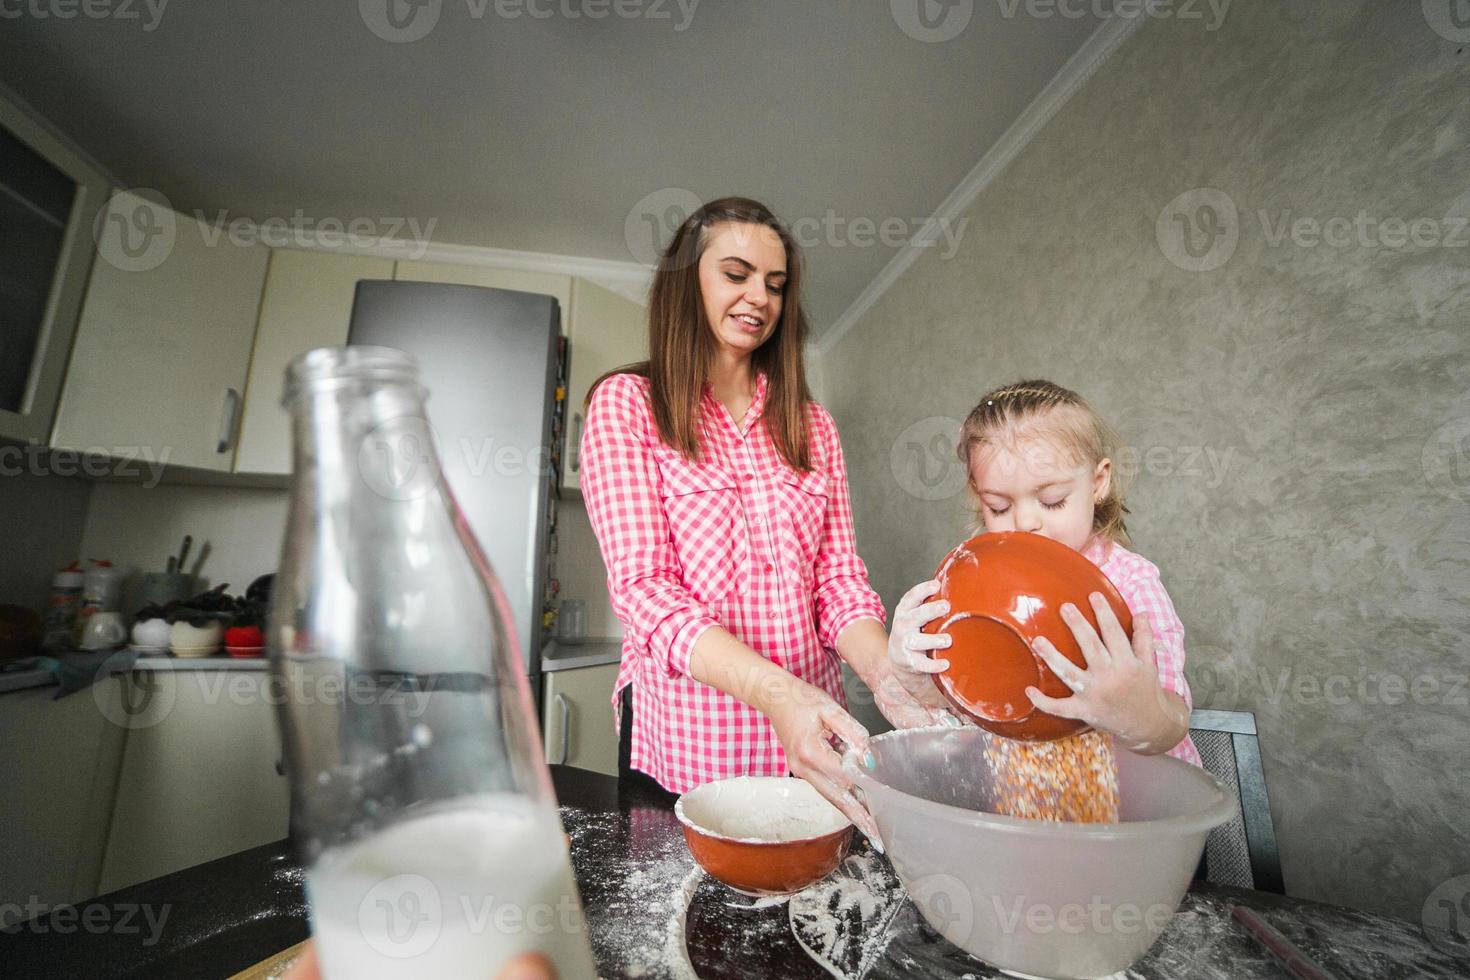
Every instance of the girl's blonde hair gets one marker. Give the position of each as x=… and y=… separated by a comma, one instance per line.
x=1010, y=414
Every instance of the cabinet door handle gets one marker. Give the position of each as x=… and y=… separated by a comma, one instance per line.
x=566, y=728
x=576, y=446
x=227, y=423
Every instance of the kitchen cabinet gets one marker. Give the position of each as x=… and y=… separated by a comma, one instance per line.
x=60, y=759
x=606, y=332
x=307, y=304
x=544, y=283
x=164, y=340
x=198, y=778
x=579, y=718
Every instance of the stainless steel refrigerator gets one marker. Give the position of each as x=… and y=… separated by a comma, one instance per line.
x=493, y=362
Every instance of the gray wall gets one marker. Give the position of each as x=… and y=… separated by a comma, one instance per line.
x=1302, y=410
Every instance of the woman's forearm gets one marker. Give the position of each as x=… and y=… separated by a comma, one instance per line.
x=724, y=663
x=864, y=645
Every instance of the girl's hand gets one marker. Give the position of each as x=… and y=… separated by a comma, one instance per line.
x=1119, y=691
x=806, y=719
x=906, y=644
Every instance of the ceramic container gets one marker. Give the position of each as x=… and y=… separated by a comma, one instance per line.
x=763, y=835
x=152, y=635
x=1005, y=589
x=187, y=640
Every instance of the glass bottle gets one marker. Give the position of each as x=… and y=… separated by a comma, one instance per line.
x=420, y=801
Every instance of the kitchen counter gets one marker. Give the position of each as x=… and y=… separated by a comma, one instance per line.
x=652, y=912
x=559, y=655
x=20, y=680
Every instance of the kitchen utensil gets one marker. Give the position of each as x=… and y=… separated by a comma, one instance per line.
x=103, y=631
x=1047, y=899
x=161, y=588
x=184, y=551
x=1005, y=589
x=763, y=835
x=1297, y=963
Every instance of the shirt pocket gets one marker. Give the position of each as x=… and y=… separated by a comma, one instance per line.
x=702, y=505
x=804, y=499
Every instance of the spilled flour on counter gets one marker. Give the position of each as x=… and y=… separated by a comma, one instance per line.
x=635, y=909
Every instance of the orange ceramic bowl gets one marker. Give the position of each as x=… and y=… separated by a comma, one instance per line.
x=763, y=835
x=1005, y=589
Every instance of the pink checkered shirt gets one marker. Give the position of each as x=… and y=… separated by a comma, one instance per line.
x=1138, y=581
x=738, y=540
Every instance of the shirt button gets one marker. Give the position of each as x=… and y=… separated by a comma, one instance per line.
x=775, y=615
x=769, y=566
x=745, y=476
x=755, y=520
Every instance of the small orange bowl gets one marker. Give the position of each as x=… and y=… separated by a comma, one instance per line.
x=763, y=835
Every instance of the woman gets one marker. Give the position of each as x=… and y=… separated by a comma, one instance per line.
x=717, y=491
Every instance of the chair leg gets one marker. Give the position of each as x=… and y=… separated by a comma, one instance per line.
x=1256, y=812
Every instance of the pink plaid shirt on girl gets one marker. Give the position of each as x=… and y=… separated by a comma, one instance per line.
x=1137, y=580
x=738, y=540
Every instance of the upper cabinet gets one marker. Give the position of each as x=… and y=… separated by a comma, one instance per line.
x=307, y=304
x=48, y=198
x=607, y=332
x=164, y=340
x=545, y=283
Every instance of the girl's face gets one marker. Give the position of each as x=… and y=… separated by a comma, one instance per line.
x=1035, y=486
x=742, y=274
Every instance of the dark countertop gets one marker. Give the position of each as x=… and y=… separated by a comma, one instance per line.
x=634, y=872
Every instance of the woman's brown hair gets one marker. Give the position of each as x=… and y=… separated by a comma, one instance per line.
x=681, y=346
x=1010, y=413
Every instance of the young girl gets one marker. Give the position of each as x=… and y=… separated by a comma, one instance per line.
x=1037, y=458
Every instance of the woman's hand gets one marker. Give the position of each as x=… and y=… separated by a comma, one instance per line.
x=907, y=643
x=527, y=966
x=1119, y=691
x=806, y=718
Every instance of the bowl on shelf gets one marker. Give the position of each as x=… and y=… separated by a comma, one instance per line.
x=1032, y=897
x=188, y=640
x=763, y=835
x=244, y=641
x=1005, y=589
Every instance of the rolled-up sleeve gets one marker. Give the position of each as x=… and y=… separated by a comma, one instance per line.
x=619, y=478
x=842, y=595
x=1144, y=590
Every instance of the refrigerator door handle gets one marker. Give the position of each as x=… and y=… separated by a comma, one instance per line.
x=566, y=728
x=576, y=446
x=227, y=421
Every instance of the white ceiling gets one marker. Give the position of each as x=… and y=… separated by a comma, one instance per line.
x=544, y=133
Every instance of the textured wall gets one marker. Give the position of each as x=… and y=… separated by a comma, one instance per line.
x=1301, y=406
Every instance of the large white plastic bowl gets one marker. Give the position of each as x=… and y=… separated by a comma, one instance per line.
x=1056, y=900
